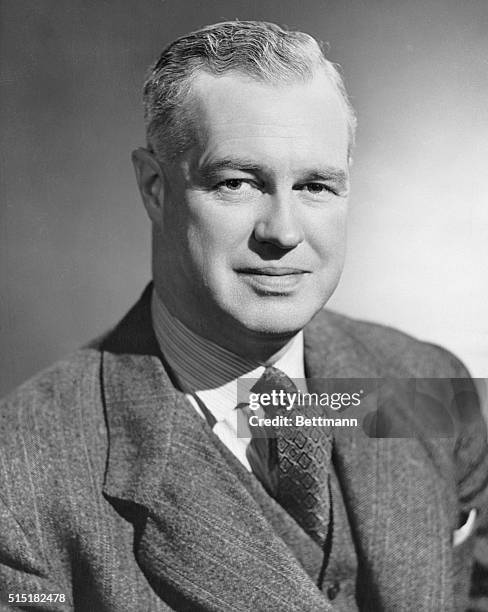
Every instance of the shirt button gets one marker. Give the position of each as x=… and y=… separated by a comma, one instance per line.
x=333, y=590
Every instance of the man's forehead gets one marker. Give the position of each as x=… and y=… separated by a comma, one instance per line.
x=206, y=85
x=237, y=109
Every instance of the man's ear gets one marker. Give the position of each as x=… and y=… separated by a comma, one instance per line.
x=150, y=179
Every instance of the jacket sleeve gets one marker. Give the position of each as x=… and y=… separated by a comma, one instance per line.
x=23, y=572
x=27, y=555
x=471, y=462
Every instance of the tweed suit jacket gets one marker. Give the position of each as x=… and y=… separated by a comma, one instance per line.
x=115, y=493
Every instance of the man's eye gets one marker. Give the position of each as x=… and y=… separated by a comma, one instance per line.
x=236, y=188
x=317, y=188
x=232, y=184
x=316, y=191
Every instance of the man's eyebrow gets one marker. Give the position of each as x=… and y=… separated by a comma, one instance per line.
x=323, y=173
x=230, y=163
x=327, y=173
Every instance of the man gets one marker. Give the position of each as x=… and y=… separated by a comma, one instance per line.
x=125, y=484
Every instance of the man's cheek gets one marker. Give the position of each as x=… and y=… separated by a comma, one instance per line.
x=330, y=244
x=208, y=259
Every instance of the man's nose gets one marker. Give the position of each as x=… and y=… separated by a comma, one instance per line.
x=279, y=225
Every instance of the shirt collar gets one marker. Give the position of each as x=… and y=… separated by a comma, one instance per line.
x=202, y=367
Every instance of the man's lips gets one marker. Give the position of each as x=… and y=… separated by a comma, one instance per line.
x=271, y=271
x=273, y=280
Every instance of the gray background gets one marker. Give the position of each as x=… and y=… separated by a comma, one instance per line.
x=74, y=236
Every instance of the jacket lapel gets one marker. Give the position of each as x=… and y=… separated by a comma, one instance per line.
x=309, y=554
x=200, y=537
x=394, y=489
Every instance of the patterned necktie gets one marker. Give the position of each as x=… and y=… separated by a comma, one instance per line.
x=293, y=462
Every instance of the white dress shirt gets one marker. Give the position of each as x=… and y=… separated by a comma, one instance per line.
x=211, y=372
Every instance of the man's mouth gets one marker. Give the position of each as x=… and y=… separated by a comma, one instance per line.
x=271, y=271
x=273, y=280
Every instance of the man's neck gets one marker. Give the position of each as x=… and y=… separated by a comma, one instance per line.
x=255, y=346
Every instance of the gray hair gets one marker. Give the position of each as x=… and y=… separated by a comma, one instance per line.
x=263, y=51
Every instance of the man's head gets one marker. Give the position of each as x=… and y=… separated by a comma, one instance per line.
x=246, y=181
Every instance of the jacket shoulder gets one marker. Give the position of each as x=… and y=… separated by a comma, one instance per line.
x=53, y=409
x=393, y=351
x=64, y=377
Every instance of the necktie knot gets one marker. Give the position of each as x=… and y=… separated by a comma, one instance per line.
x=275, y=377
x=277, y=387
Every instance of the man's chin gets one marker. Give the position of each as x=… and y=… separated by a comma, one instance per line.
x=277, y=321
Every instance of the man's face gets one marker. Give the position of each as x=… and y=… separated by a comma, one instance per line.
x=253, y=231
